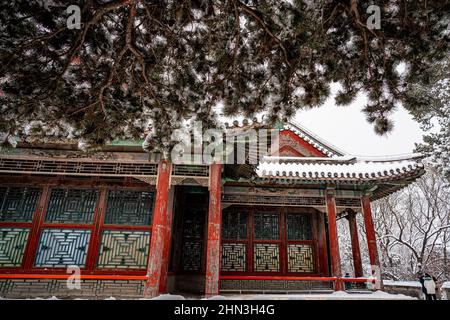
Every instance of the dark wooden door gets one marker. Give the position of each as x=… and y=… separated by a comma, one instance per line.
x=189, y=255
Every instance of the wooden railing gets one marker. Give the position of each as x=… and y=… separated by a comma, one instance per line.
x=66, y=276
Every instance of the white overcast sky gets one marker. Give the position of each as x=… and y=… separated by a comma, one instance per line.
x=348, y=129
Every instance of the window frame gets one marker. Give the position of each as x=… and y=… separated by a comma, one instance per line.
x=282, y=241
x=97, y=226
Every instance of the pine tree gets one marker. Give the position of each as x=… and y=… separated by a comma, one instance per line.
x=433, y=113
x=135, y=64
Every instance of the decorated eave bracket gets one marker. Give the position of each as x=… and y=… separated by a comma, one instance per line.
x=76, y=167
x=141, y=170
x=289, y=197
x=184, y=175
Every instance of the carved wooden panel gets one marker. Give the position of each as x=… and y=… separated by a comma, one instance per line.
x=233, y=257
x=62, y=247
x=12, y=246
x=124, y=249
x=266, y=257
x=300, y=258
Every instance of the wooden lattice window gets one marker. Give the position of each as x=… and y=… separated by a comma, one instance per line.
x=267, y=226
x=126, y=230
x=12, y=246
x=192, y=239
x=234, y=225
x=124, y=249
x=95, y=228
x=17, y=208
x=129, y=207
x=298, y=226
x=64, y=238
x=267, y=241
x=62, y=247
x=71, y=205
x=18, y=204
x=299, y=243
x=235, y=238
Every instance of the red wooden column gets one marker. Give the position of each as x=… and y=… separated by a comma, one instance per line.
x=167, y=243
x=159, y=230
x=357, y=264
x=322, y=243
x=371, y=238
x=334, y=241
x=214, y=230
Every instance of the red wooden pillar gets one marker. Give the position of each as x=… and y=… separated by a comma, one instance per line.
x=357, y=264
x=159, y=230
x=322, y=243
x=167, y=243
x=371, y=238
x=334, y=241
x=214, y=230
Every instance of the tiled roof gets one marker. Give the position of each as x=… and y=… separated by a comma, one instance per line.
x=346, y=168
x=318, y=143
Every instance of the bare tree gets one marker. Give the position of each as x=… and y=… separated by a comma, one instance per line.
x=413, y=229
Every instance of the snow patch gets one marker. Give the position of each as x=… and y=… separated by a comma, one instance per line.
x=169, y=297
x=402, y=283
x=216, y=298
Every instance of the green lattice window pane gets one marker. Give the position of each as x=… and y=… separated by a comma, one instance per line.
x=267, y=226
x=124, y=249
x=18, y=204
x=62, y=247
x=71, y=205
x=298, y=226
x=12, y=246
x=129, y=207
x=234, y=225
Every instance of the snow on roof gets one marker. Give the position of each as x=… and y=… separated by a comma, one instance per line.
x=315, y=141
x=348, y=168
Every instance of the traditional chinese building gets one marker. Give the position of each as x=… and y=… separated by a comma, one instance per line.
x=138, y=226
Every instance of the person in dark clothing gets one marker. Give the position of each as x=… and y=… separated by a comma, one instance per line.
x=428, y=286
x=348, y=285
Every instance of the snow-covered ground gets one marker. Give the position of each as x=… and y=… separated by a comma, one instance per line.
x=402, y=283
x=340, y=295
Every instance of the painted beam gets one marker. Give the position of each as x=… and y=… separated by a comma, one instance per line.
x=159, y=230
x=214, y=231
